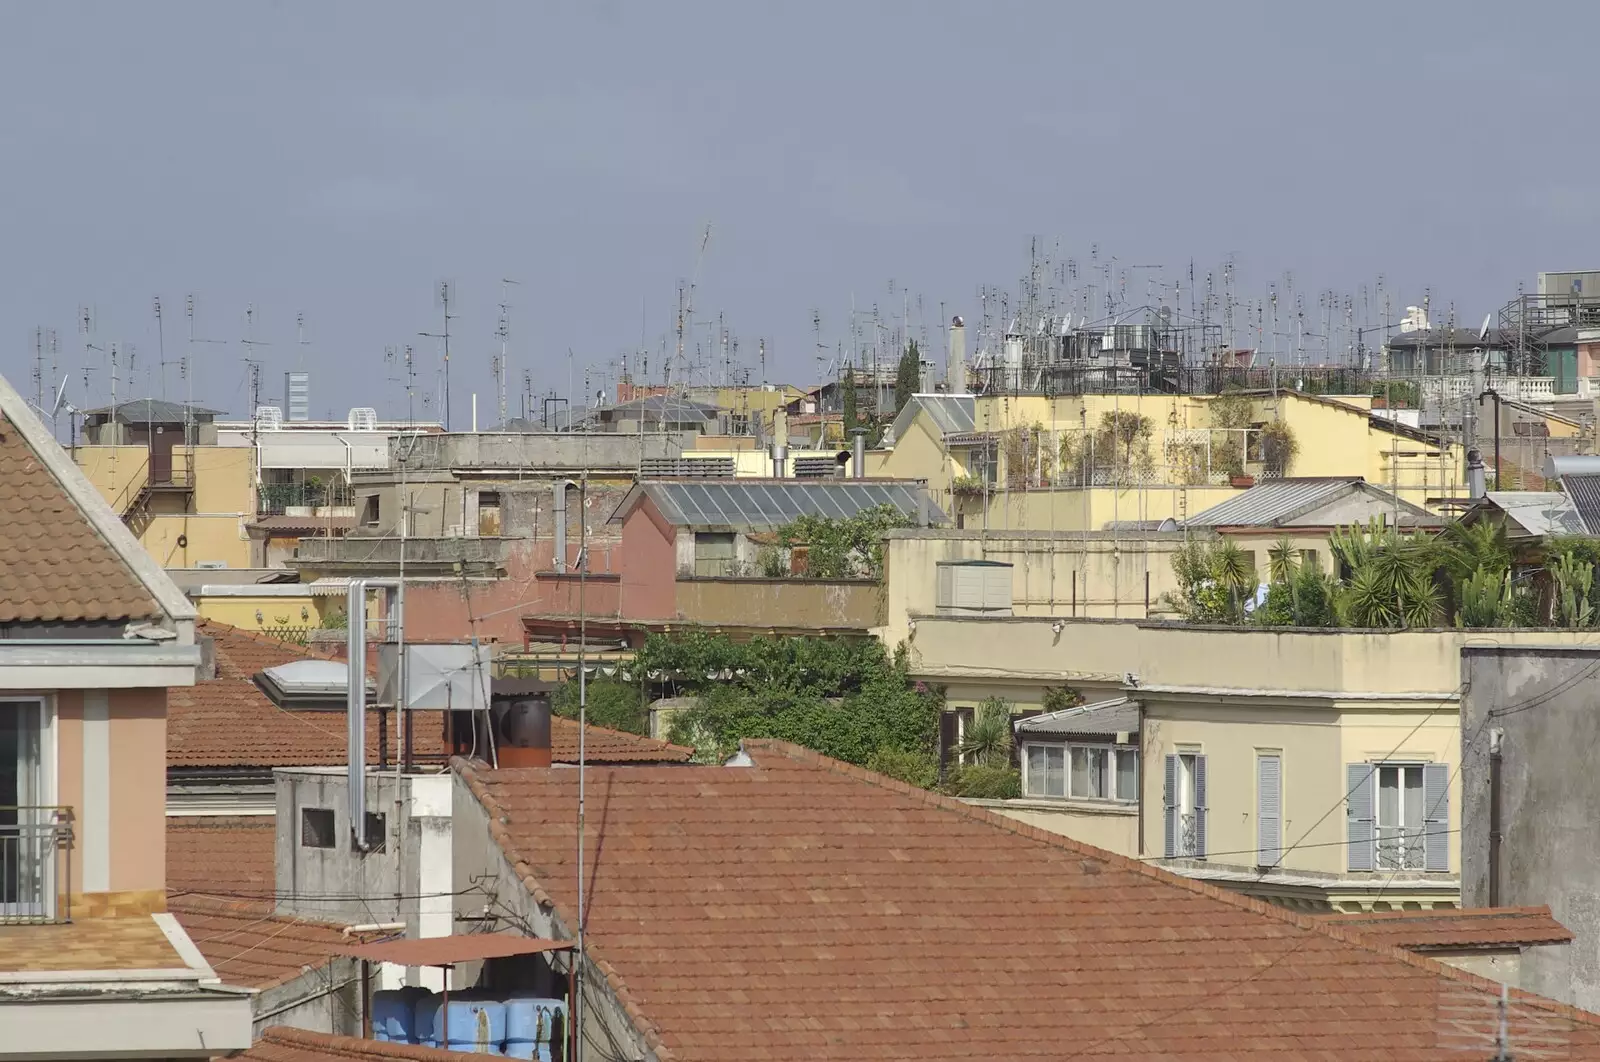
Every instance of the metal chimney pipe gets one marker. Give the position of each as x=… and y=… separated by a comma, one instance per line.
x=1475, y=474
x=559, y=515
x=858, y=453
x=356, y=707
x=780, y=455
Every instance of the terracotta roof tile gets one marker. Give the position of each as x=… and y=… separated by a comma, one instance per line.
x=1504, y=927
x=282, y=1044
x=804, y=908
x=228, y=722
x=54, y=564
x=250, y=946
x=221, y=855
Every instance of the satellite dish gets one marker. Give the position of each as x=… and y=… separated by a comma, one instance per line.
x=61, y=398
x=1483, y=333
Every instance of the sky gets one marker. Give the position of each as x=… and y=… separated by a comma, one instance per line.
x=332, y=163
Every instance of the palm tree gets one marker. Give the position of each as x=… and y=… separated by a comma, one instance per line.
x=987, y=741
x=1282, y=562
x=1391, y=582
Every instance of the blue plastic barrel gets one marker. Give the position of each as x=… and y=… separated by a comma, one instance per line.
x=394, y=1014
x=477, y=1024
x=531, y=1023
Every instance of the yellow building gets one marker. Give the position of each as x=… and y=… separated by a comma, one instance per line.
x=1082, y=462
x=195, y=514
x=1250, y=744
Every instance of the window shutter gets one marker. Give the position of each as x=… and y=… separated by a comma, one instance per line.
x=1269, y=810
x=1199, y=807
x=1436, y=816
x=1360, y=832
x=1169, y=802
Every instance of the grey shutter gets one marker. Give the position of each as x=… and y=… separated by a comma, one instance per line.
x=1199, y=807
x=1269, y=810
x=1360, y=832
x=1436, y=816
x=1169, y=802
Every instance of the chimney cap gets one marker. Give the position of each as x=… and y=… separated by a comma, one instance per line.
x=957, y=322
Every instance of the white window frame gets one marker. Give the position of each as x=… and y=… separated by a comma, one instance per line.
x=49, y=755
x=1066, y=749
x=1411, y=837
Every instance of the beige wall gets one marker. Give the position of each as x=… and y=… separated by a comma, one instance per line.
x=1097, y=574
x=211, y=527
x=138, y=790
x=1092, y=509
x=275, y=611
x=779, y=602
x=1115, y=829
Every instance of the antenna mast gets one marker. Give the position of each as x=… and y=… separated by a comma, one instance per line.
x=502, y=365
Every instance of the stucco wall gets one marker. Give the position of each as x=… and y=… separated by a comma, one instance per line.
x=1544, y=702
x=754, y=602
x=649, y=564
x=1116, y=829
x=138, y=790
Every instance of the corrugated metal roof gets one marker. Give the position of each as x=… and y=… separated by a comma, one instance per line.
x=448, y=951
x=151, y=411
x=1272, y=500
x=746, y=504
x=951, y=414
x=1108, y=718
x=1538, y=512
x=1584, y=493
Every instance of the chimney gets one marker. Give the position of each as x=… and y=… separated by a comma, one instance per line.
x=521, y=730
x=780, y=455
x=208, y=657
x=858, y=453
x=955, y=372
x=1475, y=488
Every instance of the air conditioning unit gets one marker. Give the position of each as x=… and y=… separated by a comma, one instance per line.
x=211, y=565
x=973, y=588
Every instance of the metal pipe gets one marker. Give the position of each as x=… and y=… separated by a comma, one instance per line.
x=372, y=927
x=356, y=707
x=559, y=516
x=366, y=999
x=1496, y=737
x=858, y=453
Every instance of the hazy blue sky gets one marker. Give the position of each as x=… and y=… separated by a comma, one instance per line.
x=336, y=159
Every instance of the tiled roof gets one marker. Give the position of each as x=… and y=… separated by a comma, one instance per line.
x=228, y=722
x=54, y=564
x=1495, y=927
x=249, y=946
x=805, y=908
x=283, y=1044
x=221, y=855
x=1116, y=716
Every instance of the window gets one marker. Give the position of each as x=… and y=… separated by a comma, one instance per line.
x=1184, y=797
x=1269, y=808
x=953, y=724
x=369, y=510
x=316, y=828
x=489, y=513
x=377, y=831
x=1308, y=559
x=1398, y=816
x=1081, y=772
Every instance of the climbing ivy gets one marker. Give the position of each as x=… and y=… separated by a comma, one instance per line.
x=846, y=697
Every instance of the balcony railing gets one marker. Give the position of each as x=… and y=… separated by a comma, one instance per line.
x=276, y=499
x=1188, y=836
x=1400, y=849
x=35, y=864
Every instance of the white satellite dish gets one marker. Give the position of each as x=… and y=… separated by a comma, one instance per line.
x=1483, y=333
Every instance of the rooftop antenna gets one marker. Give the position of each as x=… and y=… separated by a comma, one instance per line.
x=686, y=305
x=253, y=366
x=444, y=294
x=38, y=367
x=185, y=366
x=161, y=343
x=502, y=367
x=300, y=339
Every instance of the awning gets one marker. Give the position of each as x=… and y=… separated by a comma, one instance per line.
x=330, y=586
x=447, y=951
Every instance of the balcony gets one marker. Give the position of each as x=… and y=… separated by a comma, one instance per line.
x=35, y=864
x=304, y=499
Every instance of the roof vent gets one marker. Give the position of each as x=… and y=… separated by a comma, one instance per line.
x=363, y=418
x=268, y=418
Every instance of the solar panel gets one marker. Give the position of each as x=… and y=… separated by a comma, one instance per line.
x=756, y=503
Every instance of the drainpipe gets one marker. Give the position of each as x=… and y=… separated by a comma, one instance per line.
x=1496, y=739
x=559, y=515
